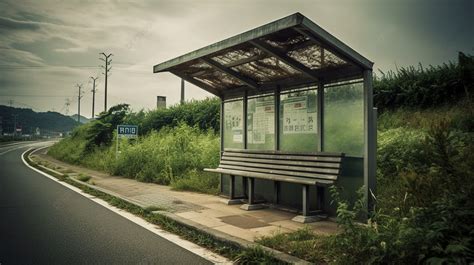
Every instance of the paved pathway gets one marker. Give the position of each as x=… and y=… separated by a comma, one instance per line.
x=204, y=209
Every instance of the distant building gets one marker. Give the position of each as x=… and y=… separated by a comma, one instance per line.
x=160, y=102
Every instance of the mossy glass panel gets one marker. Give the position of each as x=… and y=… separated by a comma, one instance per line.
x=344, y=119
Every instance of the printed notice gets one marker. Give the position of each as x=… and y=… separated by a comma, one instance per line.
x=261, y=122
x=297, y=117
x=233, y=121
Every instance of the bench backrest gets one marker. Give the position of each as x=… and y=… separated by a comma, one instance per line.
x=319, y=165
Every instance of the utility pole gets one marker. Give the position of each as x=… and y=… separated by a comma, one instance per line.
x=107, y=69
x=93, y=94
x=10, y=102
x=15, y=116
x=79, y=96
x=182, y=91
x=67, y=104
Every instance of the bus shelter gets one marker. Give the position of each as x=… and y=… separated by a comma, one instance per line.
x=288, y=90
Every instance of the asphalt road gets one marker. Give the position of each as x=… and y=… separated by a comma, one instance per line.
x=42, y=222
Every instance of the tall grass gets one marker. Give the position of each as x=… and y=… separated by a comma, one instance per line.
x=172, y=156
x=425, y=87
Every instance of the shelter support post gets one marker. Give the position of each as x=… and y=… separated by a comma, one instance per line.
x=221, y=134
x=320, y=119
x=370, y=132
x=244, y=119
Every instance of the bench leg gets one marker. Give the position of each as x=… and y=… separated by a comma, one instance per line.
x=245, y=186
x=276, y=192
x=305, y=200
x=251, y=197
x=232, y=187
x=232, y=200
x=305, y=217
x=320, y=195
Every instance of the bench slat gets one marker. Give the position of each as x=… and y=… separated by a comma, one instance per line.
x=286, y=157
x=281, y=172
x=274, y=177
x=283, y=162
x=283, y=167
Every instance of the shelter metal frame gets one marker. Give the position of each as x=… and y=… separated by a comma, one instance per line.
x=292, y=52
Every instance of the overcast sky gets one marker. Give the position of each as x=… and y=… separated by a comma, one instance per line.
x=46, y=47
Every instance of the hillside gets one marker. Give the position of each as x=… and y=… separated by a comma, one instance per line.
x=82, y=119
x=27, y=119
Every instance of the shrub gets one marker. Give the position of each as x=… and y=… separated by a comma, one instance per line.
x=83, y=178
x=203, y=114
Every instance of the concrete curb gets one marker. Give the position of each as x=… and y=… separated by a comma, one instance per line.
x=221, y=236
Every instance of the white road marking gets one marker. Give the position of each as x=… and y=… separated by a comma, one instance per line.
x=12, y=149
x=22, y=145
x=196, y=249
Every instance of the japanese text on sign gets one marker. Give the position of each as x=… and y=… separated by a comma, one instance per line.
x=297, y=117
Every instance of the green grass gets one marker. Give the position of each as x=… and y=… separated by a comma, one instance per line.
x=302, y=243
x=256, y=255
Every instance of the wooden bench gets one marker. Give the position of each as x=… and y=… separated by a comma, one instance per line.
x=301, y=168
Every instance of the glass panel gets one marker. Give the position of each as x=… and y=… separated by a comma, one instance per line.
x=298, y=121
x=344, y=119
x=233, y=124
x=261, y=123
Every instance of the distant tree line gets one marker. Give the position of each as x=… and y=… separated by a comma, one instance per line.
x=29, y=120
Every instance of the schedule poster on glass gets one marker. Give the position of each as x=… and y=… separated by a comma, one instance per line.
x=233, y=121
x=298, y=116
x=261, y=121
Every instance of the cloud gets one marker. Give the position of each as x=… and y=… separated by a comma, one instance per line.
x=16, y=57
x=12, y=24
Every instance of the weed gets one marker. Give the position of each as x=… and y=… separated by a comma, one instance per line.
x=83, y=178
x=303, y=243
x=150, y=209
x=256, y=255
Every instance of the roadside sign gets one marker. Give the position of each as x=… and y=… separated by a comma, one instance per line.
x=127, y=131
